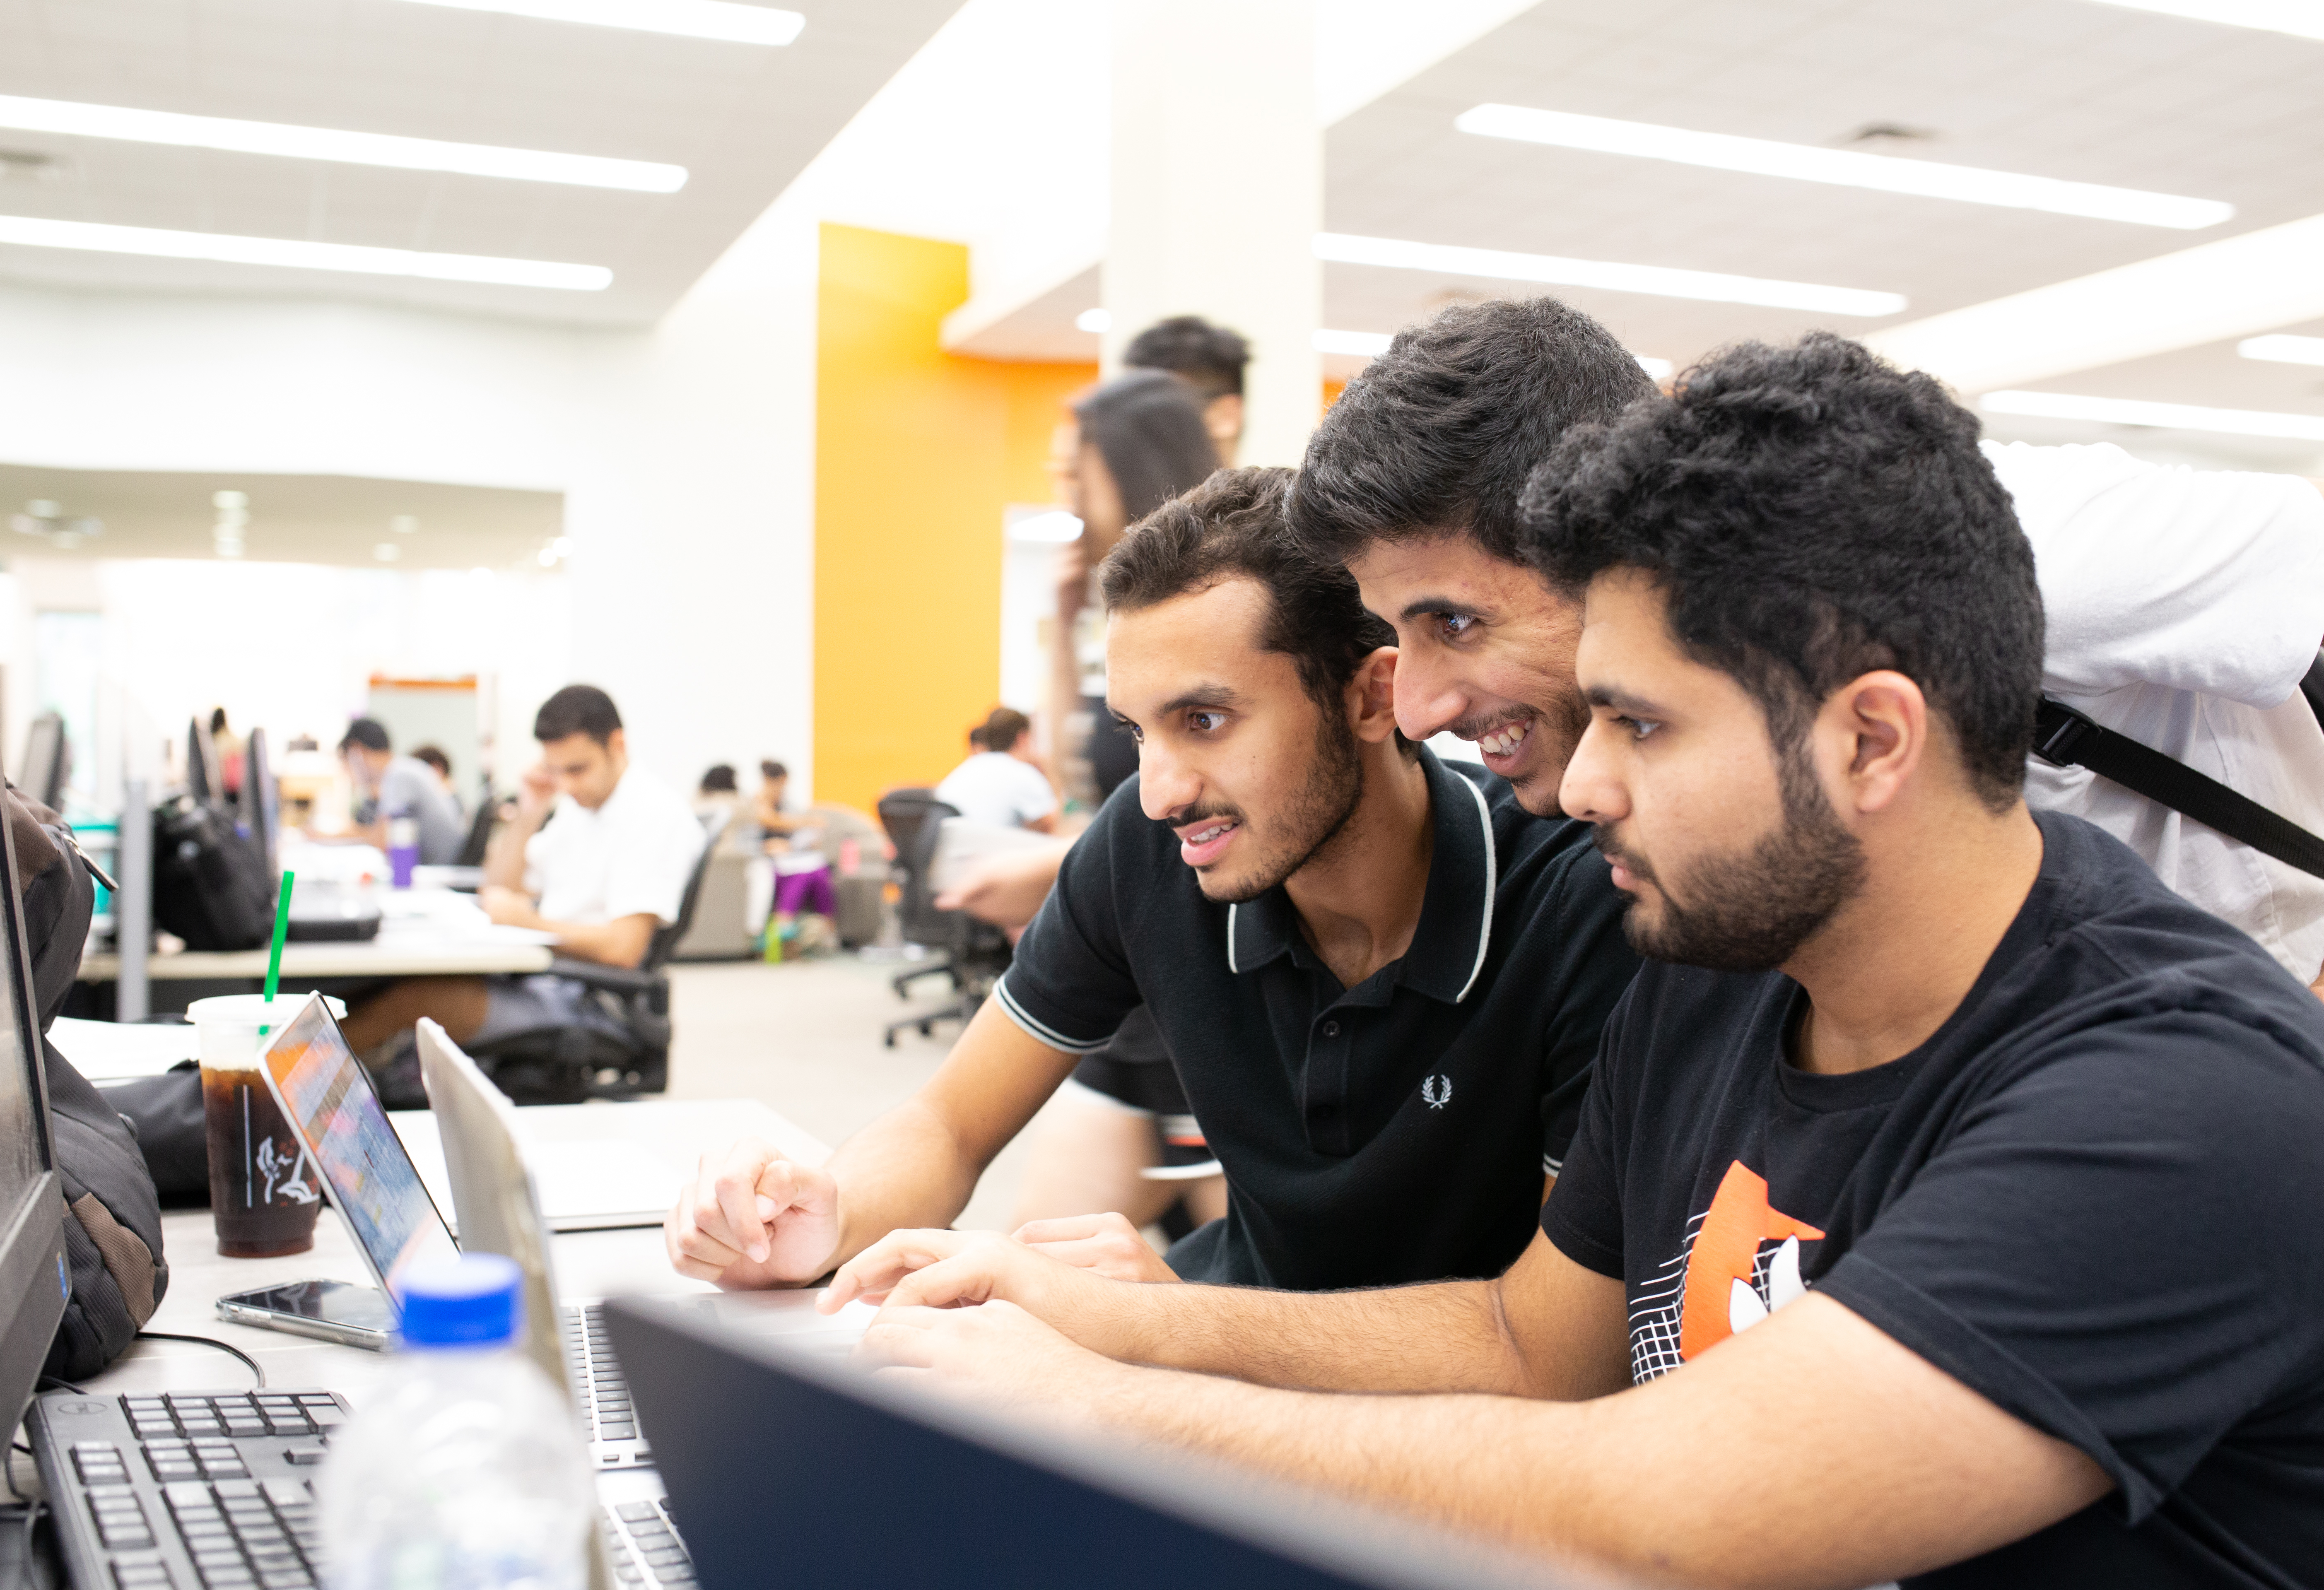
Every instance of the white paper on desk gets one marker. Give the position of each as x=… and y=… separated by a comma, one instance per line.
x=118, y=1052
x=585, y=1184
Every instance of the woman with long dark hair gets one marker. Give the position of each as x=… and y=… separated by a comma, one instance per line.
x=1135, y=442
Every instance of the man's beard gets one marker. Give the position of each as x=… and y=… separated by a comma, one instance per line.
x=1754, y=910
x=1310, y=824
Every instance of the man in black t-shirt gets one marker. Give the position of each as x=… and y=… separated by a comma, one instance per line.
x=1381, y=982
x=1943, y=1211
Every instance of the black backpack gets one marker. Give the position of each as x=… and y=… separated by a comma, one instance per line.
x=113, y=1243
x=210, y=888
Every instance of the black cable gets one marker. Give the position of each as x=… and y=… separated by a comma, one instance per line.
x=50, y=1383
x=209, y=1341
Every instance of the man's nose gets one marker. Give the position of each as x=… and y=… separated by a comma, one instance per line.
x=1166, y=783
x=1590, y=791
x=1429, y=696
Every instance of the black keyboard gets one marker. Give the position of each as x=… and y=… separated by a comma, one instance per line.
x=185, y=1491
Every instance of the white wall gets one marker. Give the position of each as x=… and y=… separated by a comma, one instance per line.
x=685, y=453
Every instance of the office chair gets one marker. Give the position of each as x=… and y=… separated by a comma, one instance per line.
x=480, y=832
x=974, y=953
x=566, y=1065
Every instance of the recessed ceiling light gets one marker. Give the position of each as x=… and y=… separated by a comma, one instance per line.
x=2239, y=422
x=689, y=19
x=2302, y=19
x=1364, y=344
x=1095, y=321
x=1656, y=280
x=404, y=524
x=330, y=143
x=32, y=232
x=1845, y=167
x=387, y=552
x=2279, y=349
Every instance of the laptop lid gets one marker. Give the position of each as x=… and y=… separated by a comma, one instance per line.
x=493, y=1192
x=988, y=1501
x=328, y=1098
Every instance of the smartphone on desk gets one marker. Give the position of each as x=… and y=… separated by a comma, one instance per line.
x=330, y=1311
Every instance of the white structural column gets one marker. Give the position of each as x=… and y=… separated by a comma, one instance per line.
x=1218, y=193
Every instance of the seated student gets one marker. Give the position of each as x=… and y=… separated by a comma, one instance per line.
x=597, y=852
x=432, y=758
x=1948, y=1200
x=1381, y=983
x=389, y=785
x=2184, y=606
x=1002, y=783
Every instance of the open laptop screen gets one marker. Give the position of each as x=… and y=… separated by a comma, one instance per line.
x=330, y=1104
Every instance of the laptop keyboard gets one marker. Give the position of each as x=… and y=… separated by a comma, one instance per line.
x=606, y=1413
x=643, y=1547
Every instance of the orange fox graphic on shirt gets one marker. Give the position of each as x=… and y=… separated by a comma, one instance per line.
x=1725, y=1290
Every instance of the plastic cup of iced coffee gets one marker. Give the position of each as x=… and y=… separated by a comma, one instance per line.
x=265, y=1192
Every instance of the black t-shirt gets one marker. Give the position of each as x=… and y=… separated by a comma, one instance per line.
x=2095, y=1196
x=1393, y=1131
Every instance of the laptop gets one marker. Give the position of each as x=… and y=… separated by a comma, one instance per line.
x=866, y=1475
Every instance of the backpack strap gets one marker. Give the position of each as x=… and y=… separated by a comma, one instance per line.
x=2066, y=738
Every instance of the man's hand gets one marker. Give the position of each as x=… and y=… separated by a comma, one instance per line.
x=509, y=907
x=1108, y=1245
x=2317, y=987
x=996, y=1353
x=753, y=1219
x=1007, y=889
x=536, y=792
x=958, y=1269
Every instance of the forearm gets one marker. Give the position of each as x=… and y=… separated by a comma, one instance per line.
x=905, y=1170
x=608, y=943
x=1445, y=1337
x=505, y=856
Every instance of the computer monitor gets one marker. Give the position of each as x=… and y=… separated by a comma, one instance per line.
x=34, y=1281
x=262, y=805
x=47, y=766
x=203, y=778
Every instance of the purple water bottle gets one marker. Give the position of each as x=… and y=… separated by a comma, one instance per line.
x=403, y=848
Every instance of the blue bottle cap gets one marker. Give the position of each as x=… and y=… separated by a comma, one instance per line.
x=462, y=1300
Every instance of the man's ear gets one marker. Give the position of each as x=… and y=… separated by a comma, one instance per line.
x=1880, y=722
x=617, y=743
x=1371, y=696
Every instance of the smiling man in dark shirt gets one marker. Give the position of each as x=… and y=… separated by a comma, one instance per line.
x=1381, y=983
x=1944, y=1210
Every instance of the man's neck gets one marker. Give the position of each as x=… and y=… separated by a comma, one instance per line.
x=1888, y=969
x=1359, y=900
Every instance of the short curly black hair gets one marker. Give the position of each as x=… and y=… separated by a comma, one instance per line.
x=1209, y=358
x=1438, y=434
x=1812, y=513
x=1230, y=527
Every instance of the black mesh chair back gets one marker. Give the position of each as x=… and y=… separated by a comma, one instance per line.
x=480, y=833
x=668, y=937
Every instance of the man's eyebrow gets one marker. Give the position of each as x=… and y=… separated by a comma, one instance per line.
x=1621, y=701
x=1205, y=695
x=1421, y=607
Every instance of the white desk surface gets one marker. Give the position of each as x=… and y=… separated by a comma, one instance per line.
x=589, y=1264
x=423, y=932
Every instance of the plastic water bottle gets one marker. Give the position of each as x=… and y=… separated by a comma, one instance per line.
x=464, y=1469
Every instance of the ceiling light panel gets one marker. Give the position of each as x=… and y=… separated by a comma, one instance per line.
x=1842, y=168
x=32, y=232
x=2281, y=349
x=1655, y=281
x=326, y=143
x=2239, y=422
x=2302, y=19
x=687, y=18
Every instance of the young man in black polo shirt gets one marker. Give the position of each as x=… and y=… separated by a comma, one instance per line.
x=1945, y=1212
x=1321, y=918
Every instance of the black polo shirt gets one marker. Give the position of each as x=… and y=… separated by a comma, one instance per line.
x=1393, y=1131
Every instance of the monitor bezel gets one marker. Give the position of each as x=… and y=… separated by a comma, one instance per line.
x=35, y=1281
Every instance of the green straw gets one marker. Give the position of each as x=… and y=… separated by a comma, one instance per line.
x=281, y=927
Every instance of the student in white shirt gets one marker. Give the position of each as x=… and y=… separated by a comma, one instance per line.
x=598, y=853
x=1001, y=783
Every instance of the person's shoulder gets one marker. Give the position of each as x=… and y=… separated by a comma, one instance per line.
x=1533, y=856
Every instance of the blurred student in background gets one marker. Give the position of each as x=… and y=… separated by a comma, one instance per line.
x=388, y=785
x=1209, y=358
x=718, y=795
x=1002, y=783
x=1134, y=443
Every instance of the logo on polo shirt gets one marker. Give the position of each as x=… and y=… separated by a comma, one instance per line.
x=1437, y=1090
x=1741, y=1263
